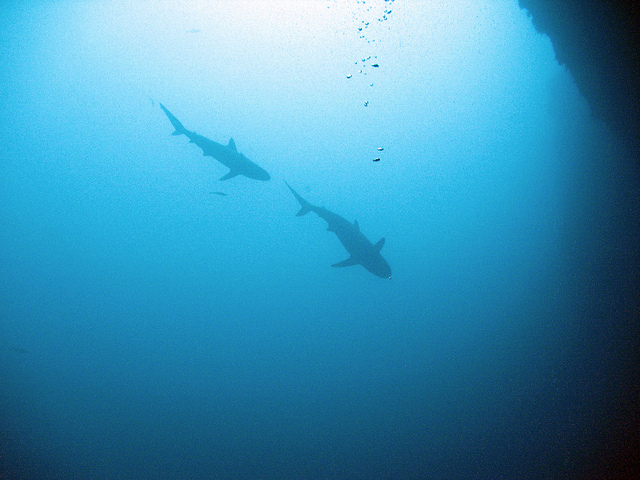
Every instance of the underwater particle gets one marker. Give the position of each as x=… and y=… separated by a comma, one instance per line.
x=366, y=103
x=371, y=84
x=14, y=349
x=222, y=194
x=375, y=65
x=349, y=76
x=380, y=149
x=376, y=159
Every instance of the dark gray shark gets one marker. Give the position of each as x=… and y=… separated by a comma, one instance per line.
x=227, y=155
x=362, y=251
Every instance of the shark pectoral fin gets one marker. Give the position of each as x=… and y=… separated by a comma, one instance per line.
x=231, y=174
x=345, y=263
x=355, y=224
x=232, y=145
x=378, y=246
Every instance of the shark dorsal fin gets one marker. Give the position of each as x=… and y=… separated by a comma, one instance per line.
x=378, y=246
x=232, y=145
x=355, y=224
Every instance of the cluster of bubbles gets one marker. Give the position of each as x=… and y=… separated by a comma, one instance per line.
x=364, y=24
x=367, y=64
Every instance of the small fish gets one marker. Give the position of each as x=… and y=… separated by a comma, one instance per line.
x=222, y=194
x=375, y=65
x=376, y=159
x=380, y=149
x=349, y=76
x=366, y=104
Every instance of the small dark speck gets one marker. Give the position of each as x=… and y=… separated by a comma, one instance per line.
x=222, y=194
x=376, y=159
x=15, y=349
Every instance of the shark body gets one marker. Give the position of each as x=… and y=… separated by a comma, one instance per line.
x=361, y=250
x=227, y=155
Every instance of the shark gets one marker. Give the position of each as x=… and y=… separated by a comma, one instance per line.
x=361, y=250
x=227, y=155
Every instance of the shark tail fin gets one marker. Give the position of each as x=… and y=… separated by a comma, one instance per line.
x=303, y=211
x=306, y=207
x=179, y=128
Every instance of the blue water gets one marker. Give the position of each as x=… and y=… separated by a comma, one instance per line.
x=152, y=329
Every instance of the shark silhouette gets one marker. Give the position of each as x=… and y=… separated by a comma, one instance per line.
x=227, y=155
x=362, y=251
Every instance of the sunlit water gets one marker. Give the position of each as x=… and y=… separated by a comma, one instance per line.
x=151, y=328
